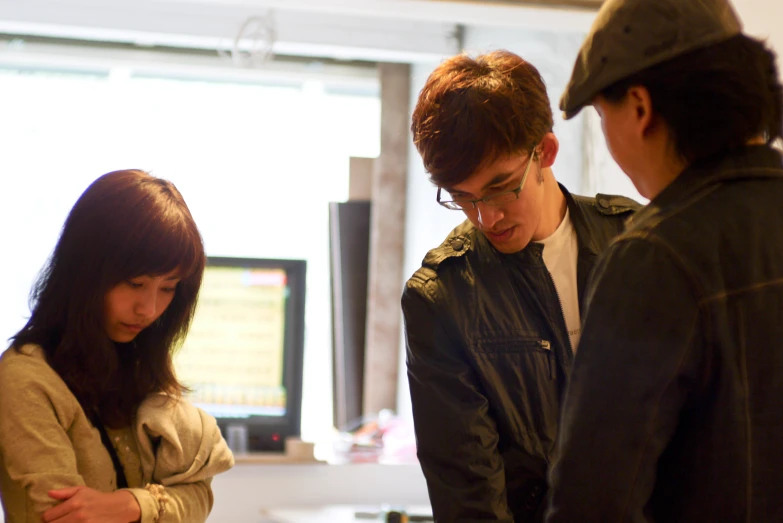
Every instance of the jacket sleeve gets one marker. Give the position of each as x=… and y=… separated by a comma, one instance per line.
x=186, y=503
x=638, y=363
x=35, y=449
x=456, y=435
x=181, y=449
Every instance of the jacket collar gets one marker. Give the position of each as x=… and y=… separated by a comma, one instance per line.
x=532, y=251
x=584, y=238
x=752, y=162
x=465, y=238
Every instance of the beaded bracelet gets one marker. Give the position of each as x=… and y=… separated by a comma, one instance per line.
x=159, y=493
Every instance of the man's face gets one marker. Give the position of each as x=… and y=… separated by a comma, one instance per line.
x=614, y=123
x=512, y=225
x=628, y=138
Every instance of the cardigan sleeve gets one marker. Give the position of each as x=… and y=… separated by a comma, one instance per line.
x=189, y=502
x=181, y=449
x=35, y=447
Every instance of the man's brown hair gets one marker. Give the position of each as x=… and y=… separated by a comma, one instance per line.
x=473, y=111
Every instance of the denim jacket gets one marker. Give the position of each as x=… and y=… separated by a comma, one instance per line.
x=674, y=412
x=488, y=354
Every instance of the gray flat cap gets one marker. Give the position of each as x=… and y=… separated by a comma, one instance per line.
x=629, y=36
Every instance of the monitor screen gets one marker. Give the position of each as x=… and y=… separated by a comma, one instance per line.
x=242, y=358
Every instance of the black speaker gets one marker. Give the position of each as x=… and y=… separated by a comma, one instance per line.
x=349, y=245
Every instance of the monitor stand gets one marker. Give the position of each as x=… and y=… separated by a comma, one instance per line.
x=296, y=451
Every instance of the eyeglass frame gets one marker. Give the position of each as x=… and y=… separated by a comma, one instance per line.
x=488, y=199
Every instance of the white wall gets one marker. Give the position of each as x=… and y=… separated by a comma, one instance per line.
x=763, y=18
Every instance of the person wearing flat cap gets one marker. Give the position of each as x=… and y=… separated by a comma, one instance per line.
x=674, y=411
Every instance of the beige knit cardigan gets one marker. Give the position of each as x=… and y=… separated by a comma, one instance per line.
x=48, y=442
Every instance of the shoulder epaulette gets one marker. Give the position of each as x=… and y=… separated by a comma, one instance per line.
x=610, y=205
x=454, y=247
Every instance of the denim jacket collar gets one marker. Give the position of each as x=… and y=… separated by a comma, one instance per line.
x=756, y=161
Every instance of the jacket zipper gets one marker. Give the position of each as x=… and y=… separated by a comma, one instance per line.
x=551, y=356
x=562, y=315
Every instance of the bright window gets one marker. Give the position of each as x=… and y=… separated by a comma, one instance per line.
x=256, y=160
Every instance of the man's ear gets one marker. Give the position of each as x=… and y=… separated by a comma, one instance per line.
x=547, y=150
x=641, y=103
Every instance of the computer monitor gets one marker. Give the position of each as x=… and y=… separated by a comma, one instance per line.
x=242, y=357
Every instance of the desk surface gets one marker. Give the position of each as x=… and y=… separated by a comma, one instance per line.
x=335, y=514
x=293, y=493
x=314, y=493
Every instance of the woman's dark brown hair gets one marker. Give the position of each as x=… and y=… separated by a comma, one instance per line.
x=714, y=99
x=473, y=111
x=126, y=224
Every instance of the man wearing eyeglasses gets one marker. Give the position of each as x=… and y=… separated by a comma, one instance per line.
x=492, y=317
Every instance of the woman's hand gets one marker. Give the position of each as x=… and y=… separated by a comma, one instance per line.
x=86, y=505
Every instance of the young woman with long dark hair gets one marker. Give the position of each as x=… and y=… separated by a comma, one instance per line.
x=90, y=406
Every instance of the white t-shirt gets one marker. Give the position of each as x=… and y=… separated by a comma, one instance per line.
x=560, y=257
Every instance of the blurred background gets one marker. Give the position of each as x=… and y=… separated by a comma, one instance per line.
x=264, y=113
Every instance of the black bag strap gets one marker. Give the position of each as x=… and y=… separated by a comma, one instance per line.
x=122, y=482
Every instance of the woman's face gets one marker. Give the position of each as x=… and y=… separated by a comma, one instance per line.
x=131, y=306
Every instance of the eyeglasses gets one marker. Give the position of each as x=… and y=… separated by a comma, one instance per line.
x=493, y=200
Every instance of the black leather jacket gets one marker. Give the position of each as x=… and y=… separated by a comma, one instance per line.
x=488, y=356
x=675, y=409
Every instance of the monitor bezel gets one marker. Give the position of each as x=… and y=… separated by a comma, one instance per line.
x=268, y=433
